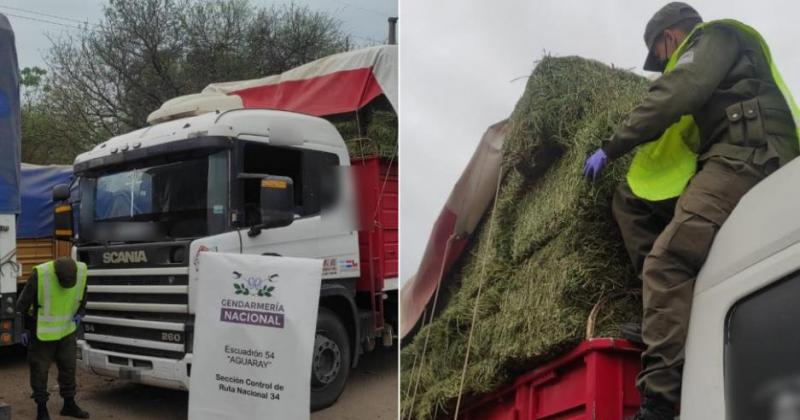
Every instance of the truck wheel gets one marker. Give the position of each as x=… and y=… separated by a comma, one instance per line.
x=330, y=365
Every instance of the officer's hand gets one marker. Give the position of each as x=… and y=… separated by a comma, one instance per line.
x=25, y=338
x=77, y=318
x=594, y=165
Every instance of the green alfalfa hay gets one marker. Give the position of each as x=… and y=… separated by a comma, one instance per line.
x=555, y=250
x=379, y=138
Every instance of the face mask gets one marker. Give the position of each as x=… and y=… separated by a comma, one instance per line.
x=663, y=63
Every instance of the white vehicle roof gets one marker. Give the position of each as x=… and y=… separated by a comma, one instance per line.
x=278, y=128
x=763, y=223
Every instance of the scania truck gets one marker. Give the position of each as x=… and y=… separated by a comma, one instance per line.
x=216, y=173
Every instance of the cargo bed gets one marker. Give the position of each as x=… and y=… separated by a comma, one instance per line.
x=377, y=185
x=596, y=381
x=35, y=251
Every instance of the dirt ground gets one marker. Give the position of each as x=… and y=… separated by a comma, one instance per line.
x=370, y=394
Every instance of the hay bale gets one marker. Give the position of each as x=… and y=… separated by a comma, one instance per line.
x=379, y=137
x=555, y=250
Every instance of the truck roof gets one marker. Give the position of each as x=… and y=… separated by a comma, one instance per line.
x=279, y=128
x=762, y=224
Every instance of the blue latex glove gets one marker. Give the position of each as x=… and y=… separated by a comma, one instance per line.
x=25, y=338
x=594, y=165
x=77, y=318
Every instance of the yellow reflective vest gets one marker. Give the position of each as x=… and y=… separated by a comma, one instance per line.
x=662, y=168
x=57, y=305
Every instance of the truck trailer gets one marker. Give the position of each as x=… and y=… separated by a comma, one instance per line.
x=150, y=201
x=743, y=341
x=36, y=242
x=742, y=344
x=9, y=183
x=32, y=237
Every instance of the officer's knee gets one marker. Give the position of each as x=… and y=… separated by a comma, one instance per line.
x=683, y=245
x=38, y=367
x=692, y=241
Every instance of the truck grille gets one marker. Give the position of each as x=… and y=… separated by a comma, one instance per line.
x=139, y=313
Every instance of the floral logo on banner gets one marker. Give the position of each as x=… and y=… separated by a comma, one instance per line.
x=254, y=285
x=196, y=261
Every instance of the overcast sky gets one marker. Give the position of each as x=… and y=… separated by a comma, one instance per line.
x=34, y=20
x=459, y=60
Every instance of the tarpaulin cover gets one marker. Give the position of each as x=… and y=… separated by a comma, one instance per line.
x=9, y=120
x=468, y=202
x=36, y=218
x=332, y=85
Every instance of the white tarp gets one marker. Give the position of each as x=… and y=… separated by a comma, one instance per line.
x=332, y=85
x=468, y=202
x=254, y=336
x=381, y=59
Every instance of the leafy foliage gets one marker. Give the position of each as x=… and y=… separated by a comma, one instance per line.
x=106, y=80
x=555, y=250
x=376, y=136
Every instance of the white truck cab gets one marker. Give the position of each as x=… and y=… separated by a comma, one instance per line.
x=743, y=346
x=151, y=200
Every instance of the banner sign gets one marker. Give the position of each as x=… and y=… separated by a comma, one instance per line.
x=255, y=322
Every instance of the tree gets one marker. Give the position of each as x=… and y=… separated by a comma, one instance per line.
x=31, y=81
x=105, y=81
x=40, y=143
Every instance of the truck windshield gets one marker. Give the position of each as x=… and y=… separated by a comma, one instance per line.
x=179, y=198
x=154, y=193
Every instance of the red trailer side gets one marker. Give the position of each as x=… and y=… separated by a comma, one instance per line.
x=595, y=381
x=377, y=186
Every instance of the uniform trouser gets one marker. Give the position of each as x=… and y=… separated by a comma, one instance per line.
x=640, y=222
x=41, y=354
x=670, y=266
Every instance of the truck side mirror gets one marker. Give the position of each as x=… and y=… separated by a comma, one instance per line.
x=62, y=217
x=61, y=192
x=277, y=203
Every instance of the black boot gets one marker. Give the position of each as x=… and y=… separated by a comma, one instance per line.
x=654, y=408
x=72, y=410
x=41, y=412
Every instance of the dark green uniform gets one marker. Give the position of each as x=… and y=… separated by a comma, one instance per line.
x=42, y=354
x=746, y=132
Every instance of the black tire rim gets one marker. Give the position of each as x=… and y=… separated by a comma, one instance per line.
x=327, y=361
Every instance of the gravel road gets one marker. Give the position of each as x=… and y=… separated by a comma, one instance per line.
x=370, y=394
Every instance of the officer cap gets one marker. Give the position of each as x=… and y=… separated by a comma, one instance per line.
x=665, y=18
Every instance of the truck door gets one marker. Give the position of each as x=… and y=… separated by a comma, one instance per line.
x=306, y=168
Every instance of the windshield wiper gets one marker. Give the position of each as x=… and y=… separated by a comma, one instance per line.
x=93, y=243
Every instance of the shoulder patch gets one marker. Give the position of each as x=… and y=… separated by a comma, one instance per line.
x=686, y=58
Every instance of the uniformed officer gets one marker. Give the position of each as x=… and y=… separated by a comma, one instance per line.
x=723, y=77
x=51, y=304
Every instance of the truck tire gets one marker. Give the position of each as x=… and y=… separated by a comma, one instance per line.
x=330, y=365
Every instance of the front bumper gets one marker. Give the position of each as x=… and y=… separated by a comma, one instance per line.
x=165, y=373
